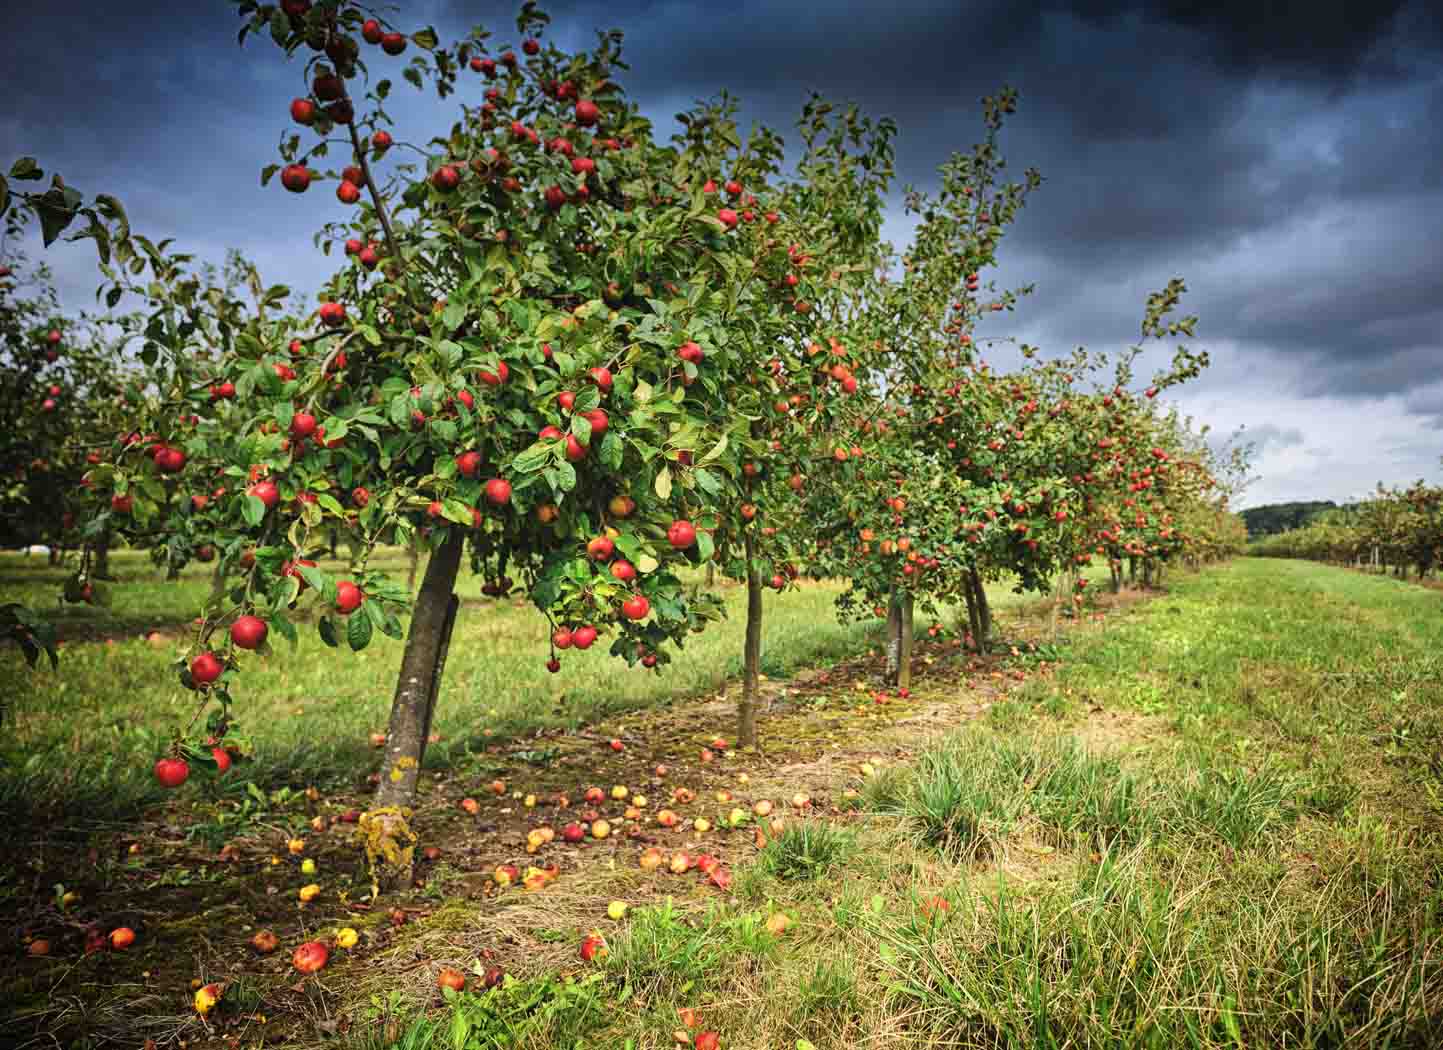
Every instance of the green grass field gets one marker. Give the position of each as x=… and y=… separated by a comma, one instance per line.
x=1214, y=819
x=84, y=739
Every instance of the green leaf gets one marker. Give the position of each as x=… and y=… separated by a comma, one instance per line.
x=704, y=545
x=532, y=459
x=284, y=628
x=327, y=629
x=358, y=632
x=588, y=399
x=280, y=26
x=319, y=580
x=663, y=483
x=581, y=428
x=455, y=510
x=707, y=482
x=425, y=38
x=53, y=220
x=252, y=509
x=716, y=450
x=611, y=450
x=25, y=169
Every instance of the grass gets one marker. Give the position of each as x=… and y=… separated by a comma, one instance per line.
x=85, y=738
x=1217, y=825
x=1216, y=822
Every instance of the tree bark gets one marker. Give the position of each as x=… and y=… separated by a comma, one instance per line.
x=984, y=613
x=102, y=557
x=974, y=621
x=894, y=638
x=422, y=663
x=752, y=651
x=413, y=561
x=904, y=654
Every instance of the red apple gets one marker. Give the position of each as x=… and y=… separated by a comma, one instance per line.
x=265, y=942
x=636, y=607
x=446, y=178
x=296, y=178
x=303, y=111
x=348, y=597
x=248, y=632
x=172, y=772
x=303, y=425
x=452, y=979
x=588, y=113
x=333, y=314
x=600, y=548
x=681, y=534
x=266, y=492
x=623, y=570
x=598, y=419
x=583, y=637
x=205, y=668
x=498, y=491
x=469, y=464
x=311, y=957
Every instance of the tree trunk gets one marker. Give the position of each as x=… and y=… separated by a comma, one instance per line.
x=904, y=655
x=752, y=652
x=413, y=561
x=974, y=623
x=710, y=574
x=894, y=638
x=984, y=613
x=1115, y=567
x=422, y=663
x=101, y=557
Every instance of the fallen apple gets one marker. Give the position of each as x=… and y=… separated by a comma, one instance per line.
x=651, y=858
x=346, y=937
x=600, y=829
x=593, y=946
x=311, y=957
x=616, y=910
x=450, y=978
x=265, y=942
x=309, y=892
x=206, y=998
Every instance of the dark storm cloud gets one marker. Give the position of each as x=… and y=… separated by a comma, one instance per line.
x=1284, y=158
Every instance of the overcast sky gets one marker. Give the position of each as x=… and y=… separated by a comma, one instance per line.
x=1284, y=158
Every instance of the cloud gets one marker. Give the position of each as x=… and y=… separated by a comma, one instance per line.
x=1284, y=158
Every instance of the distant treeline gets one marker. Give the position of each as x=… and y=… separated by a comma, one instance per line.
x=1273, y=518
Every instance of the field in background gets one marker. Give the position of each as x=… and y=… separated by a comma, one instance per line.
x=85, y=738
